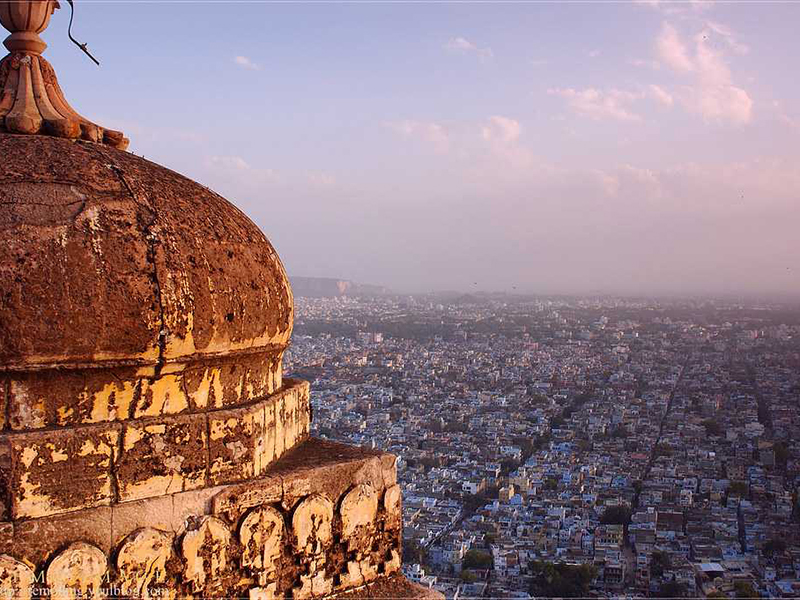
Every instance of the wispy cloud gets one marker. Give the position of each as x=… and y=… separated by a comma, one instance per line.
x=728, y=35
x=644, y=63
x=502, y=129
x=660, y=94
x=600, y=104
x=593, y=53
x=672, y=50
x=712, y=93
x=427, y=131
x=669, y=7
x=246, y=63
x=460, y=45
x=232, y=163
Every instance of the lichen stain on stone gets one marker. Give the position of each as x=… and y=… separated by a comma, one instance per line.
x=162, y=458
x=49, y=465
x=164, y=396
x=112, y=401
x=27, y=409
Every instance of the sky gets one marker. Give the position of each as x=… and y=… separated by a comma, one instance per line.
x=616, y=147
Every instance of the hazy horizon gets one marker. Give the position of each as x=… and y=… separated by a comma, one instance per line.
x=642, y=148
x=791, y=299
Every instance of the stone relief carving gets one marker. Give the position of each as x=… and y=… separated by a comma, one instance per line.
x=16, y=579
x=77, y=572
x=205, y=550
x=318, y=551
x=142, y=560
x=359, y=509
x=261, y=535
x=312, y=524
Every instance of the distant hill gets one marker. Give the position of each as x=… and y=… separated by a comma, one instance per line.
x=330, y=287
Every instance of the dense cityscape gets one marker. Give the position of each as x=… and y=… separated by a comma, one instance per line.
x=572, y=447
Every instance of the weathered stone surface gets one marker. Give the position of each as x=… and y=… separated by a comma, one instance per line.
x=359, y=509
x=229, y=534
x=351, y=577
x=128, y=249
x=268, y=592
x=16, y=579
x=394, y=564
x=233, y=381
x=188, y=505
x=243, y=442
x=61, y=471
x=77, y=572
x=48, y=398
x=153, y=457
x=5, y=481
x=236, y=444
x=329, y=476
x=389, y=468
x=292, y=415
x=392, y=505
x=150, y=512
x=142, y=563
x=395, y=587
x=314, y=585
x=312, y=525
x=55, y=398
x=35, y=540
x=4, y=391
x=262, y=535
x=162, y=457
x=234, y=500
x=205, y=552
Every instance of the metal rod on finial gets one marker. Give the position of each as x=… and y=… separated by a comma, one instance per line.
x=74, y=41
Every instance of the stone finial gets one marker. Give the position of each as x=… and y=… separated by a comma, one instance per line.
x=31, y=101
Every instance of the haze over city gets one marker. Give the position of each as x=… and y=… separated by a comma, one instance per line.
x=558, y=148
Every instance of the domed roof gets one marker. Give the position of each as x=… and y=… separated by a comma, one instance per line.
x=107, y=258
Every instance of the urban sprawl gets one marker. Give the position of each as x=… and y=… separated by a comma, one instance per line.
x=573, y=447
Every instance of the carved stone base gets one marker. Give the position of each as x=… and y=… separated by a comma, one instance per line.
x=31, y=102
x=326, y=518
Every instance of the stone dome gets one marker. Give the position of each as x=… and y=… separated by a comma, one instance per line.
x=109, y=260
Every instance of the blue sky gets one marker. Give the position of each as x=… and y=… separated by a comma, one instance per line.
x=633, y=147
